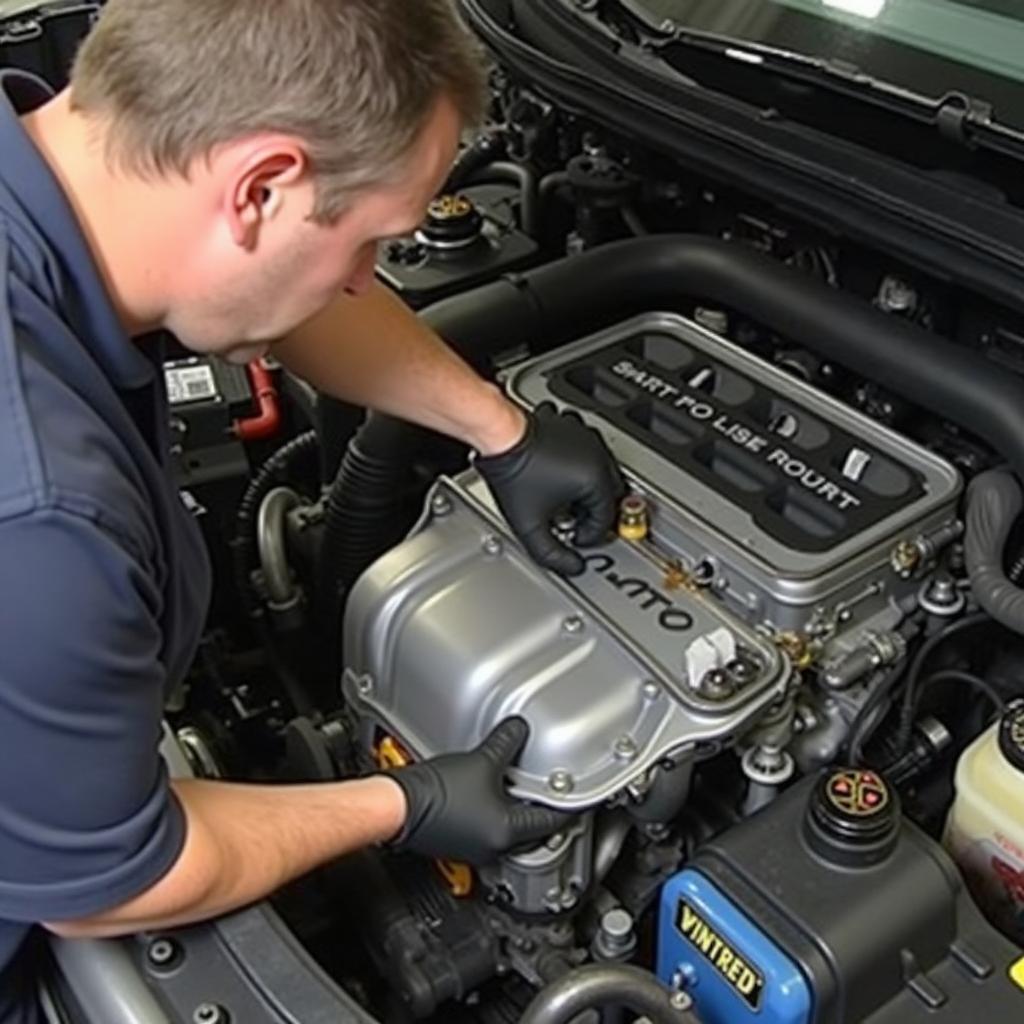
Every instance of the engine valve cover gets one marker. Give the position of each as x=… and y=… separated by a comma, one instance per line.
x=457, y=628
x=793, y=500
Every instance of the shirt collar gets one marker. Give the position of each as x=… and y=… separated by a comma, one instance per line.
x=80, y=297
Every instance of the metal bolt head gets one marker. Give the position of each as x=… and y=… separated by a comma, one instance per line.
x=680, y=1001
x=625, y=748
x=569, y=899
x=560, y=782
x=716, y=685
x=162, y=952
x=210, y=1013
x=565, y=527
x=364, y=684
x=740, y=670
x=492, y=545
x=573, y=625
x=651, y=690
x=617, y=923
x=440, y=505
x=555, y=841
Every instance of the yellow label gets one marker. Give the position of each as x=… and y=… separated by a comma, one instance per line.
x=734, y=968
x=1017, y=973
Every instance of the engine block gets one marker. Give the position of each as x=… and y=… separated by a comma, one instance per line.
x=774, y=511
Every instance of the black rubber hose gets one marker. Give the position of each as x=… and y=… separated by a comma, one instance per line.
x=336, y=425
x=871, y=714
x=365, y=507
x=994, y=501
x=366, y=511
x=601, y=985
x=910, y=697
x=953, y=675
x=296, y=459
x=484, y=150
x=525, y=179
x=551, y=183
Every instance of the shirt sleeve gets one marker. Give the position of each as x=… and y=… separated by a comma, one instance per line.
x=87, y=818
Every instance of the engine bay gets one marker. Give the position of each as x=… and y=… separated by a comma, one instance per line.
x=776, y=703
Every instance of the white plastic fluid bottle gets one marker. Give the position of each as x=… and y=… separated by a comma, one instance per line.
x=985, y=829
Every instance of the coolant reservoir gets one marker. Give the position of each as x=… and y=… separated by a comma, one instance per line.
x=985, y=830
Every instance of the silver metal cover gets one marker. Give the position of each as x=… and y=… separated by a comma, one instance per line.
x=457, y=628
x=795, y=497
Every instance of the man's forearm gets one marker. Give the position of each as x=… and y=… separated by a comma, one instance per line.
x=244, y=842
x=374, y=351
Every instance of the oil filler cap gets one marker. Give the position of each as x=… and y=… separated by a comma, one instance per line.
x=1011, y=734
x=453, y=223
x=853, y=818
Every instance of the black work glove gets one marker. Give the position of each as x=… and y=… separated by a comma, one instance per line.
x=559, y=465
x=459, y=808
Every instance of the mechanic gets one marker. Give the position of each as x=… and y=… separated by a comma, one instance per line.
x=223, y=169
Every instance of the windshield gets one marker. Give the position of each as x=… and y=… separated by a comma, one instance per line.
x=931, y=47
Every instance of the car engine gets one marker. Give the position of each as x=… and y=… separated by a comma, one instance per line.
x=783, y=701
x=761, y=532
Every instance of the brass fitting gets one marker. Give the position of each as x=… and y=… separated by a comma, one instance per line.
x=906, y=558
x=634, y=518
x=797, y=646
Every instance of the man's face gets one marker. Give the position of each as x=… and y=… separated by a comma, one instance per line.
x=235, y=300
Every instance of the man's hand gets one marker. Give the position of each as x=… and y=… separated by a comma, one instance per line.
x=559, y=465
x=458, y=807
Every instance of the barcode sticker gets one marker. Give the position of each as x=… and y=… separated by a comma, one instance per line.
x=190, y=384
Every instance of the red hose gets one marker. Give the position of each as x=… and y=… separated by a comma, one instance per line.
x=268, y=421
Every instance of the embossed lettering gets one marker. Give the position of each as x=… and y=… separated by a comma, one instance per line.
x=670, y=618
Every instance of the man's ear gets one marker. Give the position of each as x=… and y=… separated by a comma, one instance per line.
x=263, y=176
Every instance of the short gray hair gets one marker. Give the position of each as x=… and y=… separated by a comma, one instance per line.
x=353, y=79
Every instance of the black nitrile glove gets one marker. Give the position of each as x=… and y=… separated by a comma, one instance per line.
x=560, y=465
x=459, y=808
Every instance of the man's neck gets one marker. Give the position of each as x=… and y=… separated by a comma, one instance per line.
x=107, y=207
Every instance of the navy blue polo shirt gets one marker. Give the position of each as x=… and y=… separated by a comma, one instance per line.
x=104, y=582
